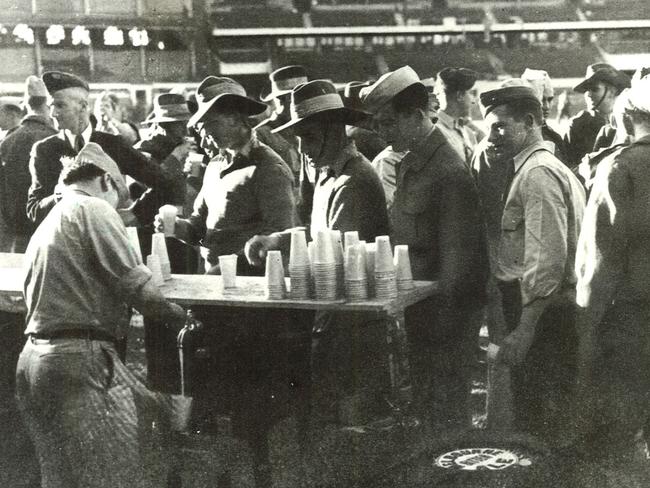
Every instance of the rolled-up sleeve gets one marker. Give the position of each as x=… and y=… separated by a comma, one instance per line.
x=545, y=239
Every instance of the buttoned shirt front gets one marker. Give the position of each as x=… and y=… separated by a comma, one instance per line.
x=81, y=269
x=460, y=138
x=245, y=193
x=540, y=225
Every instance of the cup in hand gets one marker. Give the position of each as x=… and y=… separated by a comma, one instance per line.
x=194, y=160
x=168, y=215
x=228, y=267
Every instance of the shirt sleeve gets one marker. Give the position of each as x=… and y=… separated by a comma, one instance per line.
x=40, y=197
x=274, y=190
x=115, y=257
x=546, y=233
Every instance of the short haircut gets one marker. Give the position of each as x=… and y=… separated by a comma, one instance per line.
x=639, y=116
x=36, y=103
x=411, y=98
x=518, y=109
x=12, y=108
x=80, y=171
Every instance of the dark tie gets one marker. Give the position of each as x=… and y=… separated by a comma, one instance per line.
x=78, y=144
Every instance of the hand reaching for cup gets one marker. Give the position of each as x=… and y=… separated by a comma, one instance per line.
x=257, y=247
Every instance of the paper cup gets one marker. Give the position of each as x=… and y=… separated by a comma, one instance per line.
x=195, y=160
x=383, y=255
x=275, y=275
x=168, y=214
x=355, y=262
x=228, y=267
x=338, y=246
x=351, y=238
x=492, y=352
x=153, y=263
x=299, y=254
x=159, y=249
x=323, y=248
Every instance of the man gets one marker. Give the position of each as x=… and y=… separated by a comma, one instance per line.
x=348, y=196
x=601, y=86
x=247, y=188
x=367, y=141
x=542, y=214
x=436, y=213
x=14, y=154
x=612, y=268
x=10, y=114
x=71, y=109
x=455, y=91
x=86, y=412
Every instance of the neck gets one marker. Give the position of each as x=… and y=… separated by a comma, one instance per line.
x=81, y=128
x=419, y=133
x=534, y=136
x=453, y=111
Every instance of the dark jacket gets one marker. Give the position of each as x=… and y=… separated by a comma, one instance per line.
x=45, y=167
x=581, y=135
x=14, y=154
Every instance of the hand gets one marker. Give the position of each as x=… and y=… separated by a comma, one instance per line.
x=256, y=248
x=516, y=345
x=181, y=151
x=128, y=217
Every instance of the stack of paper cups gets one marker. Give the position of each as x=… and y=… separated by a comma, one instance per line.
x=159, y=248
x=370, y=266
x=132, y=232
x=339, y=262
x=385, y=280
x=356, y=278
x=299, y=266
x=351, y=238
x=403, y=273
x=324, y=267
x=153, y=263
x=275, y=284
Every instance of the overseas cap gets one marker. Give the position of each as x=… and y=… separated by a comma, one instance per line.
x=387, y=86
x=540, y=80
x=34, y=87
x=58, y=80
x=456, y=79
x=502, y=96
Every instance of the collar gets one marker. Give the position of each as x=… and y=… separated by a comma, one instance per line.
x=87, y=132
x=245, y=150
x=424, y=151
x=39, y=119
x=523, y=155
x=234, y=159
x=348, y=152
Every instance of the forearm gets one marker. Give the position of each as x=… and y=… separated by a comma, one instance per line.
x=185, y=231
x=151, y=303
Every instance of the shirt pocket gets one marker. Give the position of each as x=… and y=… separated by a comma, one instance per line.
x=413, y=216
x=512, y=219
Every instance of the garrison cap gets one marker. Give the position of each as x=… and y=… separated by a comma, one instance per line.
x=58, y=80
x=502, y=96
x=34, y=87
x=457, y=79
x=389, y=85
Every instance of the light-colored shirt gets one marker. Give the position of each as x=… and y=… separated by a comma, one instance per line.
x=81, y=269
x=460, y=137
x=540, y=224
x=385, y=164
x=85, y=135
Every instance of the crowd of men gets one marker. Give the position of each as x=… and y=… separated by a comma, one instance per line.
x=544, y=235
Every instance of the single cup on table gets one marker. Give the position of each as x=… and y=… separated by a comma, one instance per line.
x=228, y=267
x=403, y=272
x=168, y=215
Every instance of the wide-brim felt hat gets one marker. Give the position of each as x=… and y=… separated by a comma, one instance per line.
x=317, y=98
x=375, y=96
x=214, y=91
x=168, y=107
x=603, y=72
x=283, y=81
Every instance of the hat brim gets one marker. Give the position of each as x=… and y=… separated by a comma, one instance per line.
x=342, y=114
x=274, y=94
x=617, y=81
x=160, y=120
x=249, y=106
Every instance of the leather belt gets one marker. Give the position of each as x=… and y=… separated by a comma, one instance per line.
x=87, y=334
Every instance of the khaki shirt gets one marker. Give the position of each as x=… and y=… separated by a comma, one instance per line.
x=459, y=137
x=540, y=224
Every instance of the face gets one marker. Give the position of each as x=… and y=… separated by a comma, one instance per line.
x=394, y=128
x=223, y=131
x=104, y=109
x=70, y=110
x=507, y=136
x=600, y=96
x=319, y=140
x=176, y=130
x=547, y=101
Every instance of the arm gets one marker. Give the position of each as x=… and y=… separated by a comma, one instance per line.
x=41, y=197
x=361, y=208
x=274, y=194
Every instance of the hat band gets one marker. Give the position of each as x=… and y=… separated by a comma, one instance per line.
x=214, y=90
x=314, y=105
x=288, y=83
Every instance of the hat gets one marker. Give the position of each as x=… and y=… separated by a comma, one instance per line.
x=350, y=95
x=92, y=153
x=318, y=97
x=168, y=107
x=57, y=80
x=11, y=102
x=539, y=79
x=215, y=89
x=283, y=80
x=603, y=72
x=501, y=96
x=456, y=79
x=387, y=86
x=639, y=95
x=34, y=87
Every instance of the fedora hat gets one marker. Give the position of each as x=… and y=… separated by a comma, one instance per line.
x=351, y=94
x=387, y=86
x=168, y=107
x=218, y=90
x=318, y=97
x=603, y=72
x=284, y=80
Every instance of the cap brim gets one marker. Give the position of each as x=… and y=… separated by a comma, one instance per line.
x=583, y=86
x=274, y=94
x=342, y=114
x=250, y=106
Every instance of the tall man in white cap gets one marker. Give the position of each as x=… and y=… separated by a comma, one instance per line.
x=542, y=213
x=87, y=414
x=613, y=270
x=601, y=86
x=70, y=107
x=348, y=196
x=14, y=154
x=436, y=213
